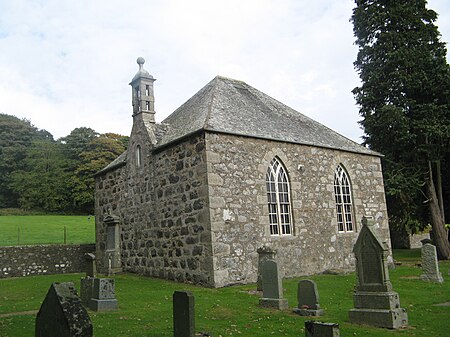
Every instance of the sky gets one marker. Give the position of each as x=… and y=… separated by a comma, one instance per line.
x=68, y=64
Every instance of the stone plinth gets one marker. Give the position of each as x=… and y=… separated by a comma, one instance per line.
x=103, y=295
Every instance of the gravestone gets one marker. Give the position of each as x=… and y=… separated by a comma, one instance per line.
x=87, y=283
x=103, y=296
x=375, y=301
x=430, y=266
x=183, y=314
x=308, y=299
x=112, y=258
x=272, y=287
x=264, y=253
x=62, y=314
x=321, y=329
x=90, y=265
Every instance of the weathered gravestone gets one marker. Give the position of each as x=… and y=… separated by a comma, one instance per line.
x=374, y=299
x=321, y=329
x=272, y=287
x=308, y=299
x=183, y=314
x=103, y=296
x=87, y=283
x=62, y=314
x=430, y=266
x=264, y=253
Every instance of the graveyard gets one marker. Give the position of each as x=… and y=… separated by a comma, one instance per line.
x=145, y=306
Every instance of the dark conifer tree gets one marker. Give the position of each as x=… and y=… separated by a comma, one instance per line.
x=404, y=102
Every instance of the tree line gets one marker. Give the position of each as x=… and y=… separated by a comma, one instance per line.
x=40, y=173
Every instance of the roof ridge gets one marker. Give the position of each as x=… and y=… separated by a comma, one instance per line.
x=213, y=96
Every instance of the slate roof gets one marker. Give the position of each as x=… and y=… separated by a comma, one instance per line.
x=230, y=106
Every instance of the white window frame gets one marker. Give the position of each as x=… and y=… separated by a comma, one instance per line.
x=343, y=199
x=279, y=199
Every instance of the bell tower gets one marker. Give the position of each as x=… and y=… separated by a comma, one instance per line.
x=143, y=98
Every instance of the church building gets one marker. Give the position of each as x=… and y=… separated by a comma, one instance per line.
x=230, y=171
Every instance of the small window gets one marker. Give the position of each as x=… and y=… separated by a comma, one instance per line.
x=343, y=198
x=278, y=199
x=147, y=106
x=138, y=156
x=147, y=90
x=138, y=92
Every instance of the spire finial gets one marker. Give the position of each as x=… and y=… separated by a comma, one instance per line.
x=140, y=61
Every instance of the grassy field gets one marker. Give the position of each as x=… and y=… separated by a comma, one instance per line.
x=42, y=229
x=145, y=306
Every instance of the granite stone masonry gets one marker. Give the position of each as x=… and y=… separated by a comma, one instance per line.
x=308, y=299
x=430, y=266
x=16, y=261
x=62, y=314
x=190, y=196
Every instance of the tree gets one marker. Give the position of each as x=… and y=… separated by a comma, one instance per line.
x=16, y=137
x=100, y=151
x=404, y=102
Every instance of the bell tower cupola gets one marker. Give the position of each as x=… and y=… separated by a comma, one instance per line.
x=143, y=98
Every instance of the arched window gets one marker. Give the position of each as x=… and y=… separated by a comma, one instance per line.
x=138, y=156
x=278, y=199
x=343, y=197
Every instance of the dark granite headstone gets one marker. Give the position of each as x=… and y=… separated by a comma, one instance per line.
x=62, y=314
x=272, y=287
x=183, y=314
x=321, y=329
x=264, y=253
x=430, y=266
x=374, y=299
x=308, y=299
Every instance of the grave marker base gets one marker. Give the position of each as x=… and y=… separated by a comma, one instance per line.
x=391, y=319
x=102, y=305
x=309, y=312
x=280, y=304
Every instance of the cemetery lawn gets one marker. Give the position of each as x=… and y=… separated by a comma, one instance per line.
x=145, y=306
x=46, y=229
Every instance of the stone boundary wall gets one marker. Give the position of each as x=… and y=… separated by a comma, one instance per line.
x=17, y=261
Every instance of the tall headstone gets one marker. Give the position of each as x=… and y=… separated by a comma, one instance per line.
x=62, y=314
x=87, y=283
x=103, y=295
x=430, y=266
x=264, y=253
x=272, y=287
x=308, y=299
x=183, y=314
x=112, y=258
x=321, y=329
x=375, y=301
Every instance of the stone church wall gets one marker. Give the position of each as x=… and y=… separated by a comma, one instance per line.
x=163, y=211
x=239, y=213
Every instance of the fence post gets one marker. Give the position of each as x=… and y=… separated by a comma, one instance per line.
x=18, y=235
x=65, y=235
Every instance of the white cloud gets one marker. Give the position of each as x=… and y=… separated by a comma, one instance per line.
x=66, y=64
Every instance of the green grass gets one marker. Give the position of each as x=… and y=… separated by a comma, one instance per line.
x=43, y=229
x=145, y=307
